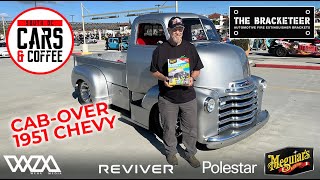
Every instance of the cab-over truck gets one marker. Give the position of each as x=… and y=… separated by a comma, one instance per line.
x=229, y=98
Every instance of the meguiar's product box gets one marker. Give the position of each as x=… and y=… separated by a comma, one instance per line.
x=179, y=71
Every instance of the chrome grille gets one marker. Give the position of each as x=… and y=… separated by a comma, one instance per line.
x=237, y=111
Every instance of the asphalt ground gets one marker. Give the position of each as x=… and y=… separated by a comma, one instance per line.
x=292, y=99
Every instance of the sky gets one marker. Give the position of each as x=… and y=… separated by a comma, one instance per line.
x=72, y=9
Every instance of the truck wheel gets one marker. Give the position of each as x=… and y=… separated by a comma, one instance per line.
x=156, y=124
x=281, y=52
x=84, y=94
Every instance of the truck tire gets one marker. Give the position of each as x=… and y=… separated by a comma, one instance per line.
x=156, y=124
x=83, y=91
x=281, y=52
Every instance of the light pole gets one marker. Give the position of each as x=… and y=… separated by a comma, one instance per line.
x=158, y=7
x=84, y=46
x=176, y=6
x=72, y=17
x=4, y=29
x=3, y=26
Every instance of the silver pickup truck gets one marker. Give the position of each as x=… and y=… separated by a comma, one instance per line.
x=229, y=97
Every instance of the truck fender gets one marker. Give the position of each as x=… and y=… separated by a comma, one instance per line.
x=94, y=78
x=150, y=98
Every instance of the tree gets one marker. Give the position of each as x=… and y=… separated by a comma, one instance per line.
x=215, y=22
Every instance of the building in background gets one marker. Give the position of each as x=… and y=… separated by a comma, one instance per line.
x=221, y=22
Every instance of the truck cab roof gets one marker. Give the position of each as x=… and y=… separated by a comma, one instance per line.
x=166, y=16
x=149, y=29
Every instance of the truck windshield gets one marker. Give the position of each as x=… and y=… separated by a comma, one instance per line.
x=195, y=31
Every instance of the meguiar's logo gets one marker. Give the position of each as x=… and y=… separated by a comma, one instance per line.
x=172, y=61
x=289, y=161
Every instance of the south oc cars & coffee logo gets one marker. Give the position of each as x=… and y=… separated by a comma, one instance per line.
x=40, y=40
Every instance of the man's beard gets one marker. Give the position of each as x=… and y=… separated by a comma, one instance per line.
x=175, y=41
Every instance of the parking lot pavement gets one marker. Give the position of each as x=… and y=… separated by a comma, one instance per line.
x=292, y=99
x=264, y=59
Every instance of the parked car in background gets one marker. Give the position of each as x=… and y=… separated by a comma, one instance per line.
x=126, y=39
x=116, y=43
x=89, y=41
x=284, y=47
x=3, y=50
x=77, y=42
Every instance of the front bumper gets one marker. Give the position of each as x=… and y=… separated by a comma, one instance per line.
x=219, y=141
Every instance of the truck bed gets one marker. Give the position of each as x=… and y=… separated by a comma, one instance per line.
x=112, y=65
x=111, y=56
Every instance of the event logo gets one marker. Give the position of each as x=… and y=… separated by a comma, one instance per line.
x=36, y=164
x=40, y=40
x=289, y=161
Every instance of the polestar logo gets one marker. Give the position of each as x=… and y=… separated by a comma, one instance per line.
x=33, y=164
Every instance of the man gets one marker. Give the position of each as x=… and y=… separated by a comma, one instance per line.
x=175, y=98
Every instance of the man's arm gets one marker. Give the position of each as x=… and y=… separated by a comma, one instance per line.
x=161, y=77
x=195, y=74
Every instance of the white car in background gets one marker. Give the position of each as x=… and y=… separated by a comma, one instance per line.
x=3, y=50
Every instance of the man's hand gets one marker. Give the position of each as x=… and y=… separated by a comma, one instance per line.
x=166, y=83
x=190, y=81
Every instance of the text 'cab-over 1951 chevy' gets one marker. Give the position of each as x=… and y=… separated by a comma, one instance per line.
x=229, y=97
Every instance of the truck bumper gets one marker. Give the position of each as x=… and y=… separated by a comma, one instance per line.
x=219, y=141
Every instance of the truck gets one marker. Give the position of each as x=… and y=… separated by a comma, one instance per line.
x=229, y=97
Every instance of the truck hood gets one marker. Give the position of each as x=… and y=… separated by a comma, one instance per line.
x=223, y=63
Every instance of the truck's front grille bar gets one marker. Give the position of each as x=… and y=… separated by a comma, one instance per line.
x=236, y=111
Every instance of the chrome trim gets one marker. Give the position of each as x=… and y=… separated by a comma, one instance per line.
x=237, y=104
x=219, y=141
x=240, y=97
x=233, y=118
x=254, y=106
x=236, y=125
x=85, y=92
x=240, y=91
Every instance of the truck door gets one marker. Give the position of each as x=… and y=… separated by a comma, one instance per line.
x=144, y=38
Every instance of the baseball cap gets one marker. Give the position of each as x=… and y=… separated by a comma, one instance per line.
x=175, y=22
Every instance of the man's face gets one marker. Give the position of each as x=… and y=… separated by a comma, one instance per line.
x=176, y=34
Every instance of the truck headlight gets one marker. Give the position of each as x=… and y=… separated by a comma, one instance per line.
x=263, y=83
x=209, y=104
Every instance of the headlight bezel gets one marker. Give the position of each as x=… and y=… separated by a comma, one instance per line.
x=209, y=104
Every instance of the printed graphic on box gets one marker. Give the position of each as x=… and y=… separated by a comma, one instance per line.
x=179, y=71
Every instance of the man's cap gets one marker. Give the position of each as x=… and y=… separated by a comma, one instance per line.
x=175, y=22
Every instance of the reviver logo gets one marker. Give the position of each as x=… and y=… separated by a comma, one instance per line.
x=36, y=164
